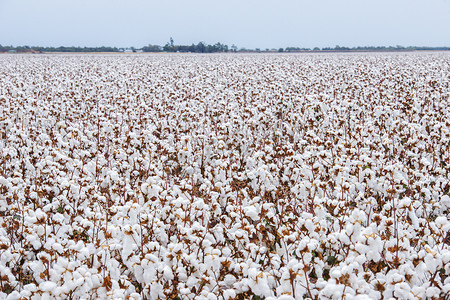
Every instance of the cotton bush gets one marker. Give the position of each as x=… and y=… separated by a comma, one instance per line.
x=225, y=176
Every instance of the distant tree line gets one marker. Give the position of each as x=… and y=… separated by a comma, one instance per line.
x=368, y=48
x=202, y=47
x=24, y=49
x=77, y=49
x=199, y=48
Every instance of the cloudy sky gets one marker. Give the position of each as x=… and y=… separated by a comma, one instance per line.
x=245, y=23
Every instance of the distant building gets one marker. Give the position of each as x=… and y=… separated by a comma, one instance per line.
x=12, y=51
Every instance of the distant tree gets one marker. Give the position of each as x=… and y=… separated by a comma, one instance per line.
x=200, y=48
x=170, y=47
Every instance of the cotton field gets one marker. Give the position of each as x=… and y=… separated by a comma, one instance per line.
x=231, y=176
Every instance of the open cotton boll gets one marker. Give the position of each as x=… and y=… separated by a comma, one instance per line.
x=251, y=212
x=229, y=294
x=47, y=286
x=5, y=182
x=445, y=201
x=168, y=273
x=443, y=223
x=360, y=297
x=15, y=295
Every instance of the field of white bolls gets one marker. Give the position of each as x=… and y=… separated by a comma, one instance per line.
x=225, y=176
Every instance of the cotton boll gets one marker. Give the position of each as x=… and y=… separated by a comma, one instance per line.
x=418, y=291
x=430, y=261
x=405, y=202
x=135, y=296
x=13, y=296
x=335, y=273
x=168, y=274
x=331, y=291
x=442, y=223
x=229, y=294
x=445, y=201
x=47, y=286
x=35, y=242
x=285, y=297
x=260, y=285
x=5, y=182
x=432, y=292
x=361, y=297
x=251, y=212
x=128, y=247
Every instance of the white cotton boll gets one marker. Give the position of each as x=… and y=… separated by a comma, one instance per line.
x=144, y=187
x=40, y=214
x=47, y=286
x=360, y=260
x=402, y=290
x=57, y=247
x=36, y=243
x=285, y=297
x=229, y=294
x=414, y=219
x=426, y=162
x=329, y=291
x=96, y=282
x=335, y=273
x=262, y=287
x=191, y=281
x=153, y=191
x=229, y=280
x=405, y=202
x=135, y=296
x=419, y=291
x=252, y=212
x=309, y=225
x=5, y=182
x=226, y=252
x=344, y=238
x=349, y=229
x=168, y=274
x=445, y=201
x=30, y=219
x=15, y=295
x=185, y=291
x=442, y=223
x=433, y=292
x=48, y=207
x=30, y=287
x=446, y=259
x=399, y=177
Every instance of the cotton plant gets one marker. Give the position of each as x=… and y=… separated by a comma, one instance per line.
x=225, y=177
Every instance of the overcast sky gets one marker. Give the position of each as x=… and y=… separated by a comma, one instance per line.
x=245, y=23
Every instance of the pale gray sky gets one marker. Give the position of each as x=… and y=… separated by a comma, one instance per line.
x=246, y=23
